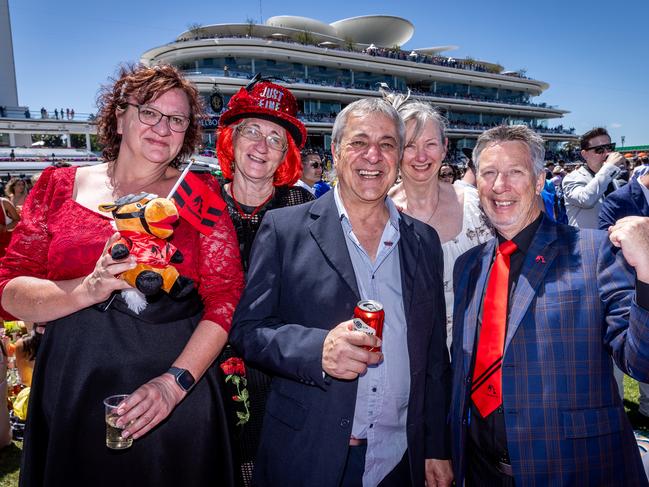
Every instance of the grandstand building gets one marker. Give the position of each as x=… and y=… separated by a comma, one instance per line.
x=327, y=66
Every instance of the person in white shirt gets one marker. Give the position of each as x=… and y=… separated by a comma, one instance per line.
x=584, y=190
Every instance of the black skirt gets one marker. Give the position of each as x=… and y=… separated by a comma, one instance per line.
x=92, y=354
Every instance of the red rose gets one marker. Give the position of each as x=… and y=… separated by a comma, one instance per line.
x=234, y=366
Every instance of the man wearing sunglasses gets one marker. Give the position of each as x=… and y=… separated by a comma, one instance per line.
x=585, y=189
x=311, y=170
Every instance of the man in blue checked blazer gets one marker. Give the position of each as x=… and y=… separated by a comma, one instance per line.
x=554, y=416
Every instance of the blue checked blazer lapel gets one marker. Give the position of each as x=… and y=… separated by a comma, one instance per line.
x=476, y=278
x=538, y=260
x=327, y=231
x=638, y=198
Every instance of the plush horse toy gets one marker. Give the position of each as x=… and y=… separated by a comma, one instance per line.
x=144, y=221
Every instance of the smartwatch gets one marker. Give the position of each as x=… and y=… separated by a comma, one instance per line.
x=183, y=378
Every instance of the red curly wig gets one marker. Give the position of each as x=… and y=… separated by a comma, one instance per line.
x=287, y=173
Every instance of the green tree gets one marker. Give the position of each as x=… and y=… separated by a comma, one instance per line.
x=350, y=45
x=78, y=141
x=195, y=29
x=305, y=37
x=49, y=140
x=250, y=29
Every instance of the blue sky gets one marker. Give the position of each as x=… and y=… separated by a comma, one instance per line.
x=595, y=58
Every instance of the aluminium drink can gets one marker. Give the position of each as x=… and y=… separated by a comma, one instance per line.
x=371, y=314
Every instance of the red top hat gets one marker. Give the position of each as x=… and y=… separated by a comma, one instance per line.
x=268, y=101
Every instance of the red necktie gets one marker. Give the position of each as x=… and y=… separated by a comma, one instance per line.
x=486, y=392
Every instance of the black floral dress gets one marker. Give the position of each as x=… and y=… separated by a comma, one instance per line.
x=246, y=396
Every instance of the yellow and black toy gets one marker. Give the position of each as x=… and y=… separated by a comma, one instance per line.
x=144, y=221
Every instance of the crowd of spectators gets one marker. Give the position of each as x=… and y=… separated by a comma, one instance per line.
x=67, y=114
x=373, y=86
x=53, y=158
x=317, y=117
x=391, y=53
x=466, y=125
x=14, y=112
x=56, y=114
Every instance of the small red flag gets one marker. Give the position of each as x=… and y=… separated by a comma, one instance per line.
x=198, y=204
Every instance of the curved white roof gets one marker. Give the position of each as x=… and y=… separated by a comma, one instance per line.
x=382, y=30
x=301, y=23
x=434, y=51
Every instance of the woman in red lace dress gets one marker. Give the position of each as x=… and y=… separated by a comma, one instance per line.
x=57, y=270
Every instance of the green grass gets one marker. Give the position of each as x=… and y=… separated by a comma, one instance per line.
x=10, y=456
x=631, y=395
x=9, y=464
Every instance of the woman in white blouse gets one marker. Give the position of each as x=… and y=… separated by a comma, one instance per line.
x=452, y=210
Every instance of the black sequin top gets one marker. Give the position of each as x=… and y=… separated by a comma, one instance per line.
x=247, y=227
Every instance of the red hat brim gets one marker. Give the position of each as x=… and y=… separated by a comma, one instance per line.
x=293, y=126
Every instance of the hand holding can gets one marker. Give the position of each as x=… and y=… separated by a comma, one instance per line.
x=370, y=314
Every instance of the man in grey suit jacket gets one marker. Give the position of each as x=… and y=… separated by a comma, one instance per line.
x=584, y=190
x=338, y=414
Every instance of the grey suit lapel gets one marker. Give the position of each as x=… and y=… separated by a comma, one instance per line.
x=538, y=260
x=327, y=231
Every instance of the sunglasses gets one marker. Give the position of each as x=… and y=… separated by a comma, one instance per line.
x=600, y=149
x=316, y=165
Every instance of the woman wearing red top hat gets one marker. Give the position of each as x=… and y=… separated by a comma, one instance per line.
x=258, y=147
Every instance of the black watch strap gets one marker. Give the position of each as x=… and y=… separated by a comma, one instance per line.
x=183, y=377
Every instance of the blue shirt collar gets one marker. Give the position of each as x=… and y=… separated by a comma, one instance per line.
x=392, y=209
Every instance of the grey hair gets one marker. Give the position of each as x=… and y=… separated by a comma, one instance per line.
x=513, y=133
x=366, y=106
x=418, y=111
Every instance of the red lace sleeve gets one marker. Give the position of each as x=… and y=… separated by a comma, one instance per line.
x=27, y=252
x=221, y=274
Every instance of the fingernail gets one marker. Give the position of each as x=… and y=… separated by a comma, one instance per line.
x=125, y=433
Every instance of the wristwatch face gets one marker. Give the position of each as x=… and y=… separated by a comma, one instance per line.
x=185, y=380
x=183, y=377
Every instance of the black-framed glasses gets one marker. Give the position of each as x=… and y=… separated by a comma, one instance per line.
x=600, y=149
x=316, y=165
x=151, y=116
x=273, y=141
